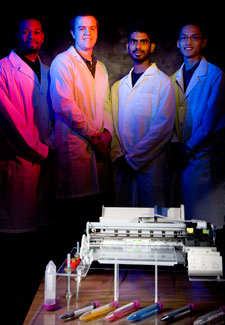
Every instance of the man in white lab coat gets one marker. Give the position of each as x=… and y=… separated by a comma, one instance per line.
x=200, y=129
x=143, y=105
x=81, y=99
x=25, y=138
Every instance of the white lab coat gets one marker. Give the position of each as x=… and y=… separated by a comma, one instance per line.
x=200, y=126
x=25, y=122
x=143, y=118
x=83, y=107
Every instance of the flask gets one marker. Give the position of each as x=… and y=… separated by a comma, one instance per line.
x=50, y=287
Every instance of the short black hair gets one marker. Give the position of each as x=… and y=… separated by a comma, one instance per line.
x=201, y=25
x=141, y=26
x=82, y=13
x=27, y=17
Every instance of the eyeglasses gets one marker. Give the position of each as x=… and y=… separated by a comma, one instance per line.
x=193, y=38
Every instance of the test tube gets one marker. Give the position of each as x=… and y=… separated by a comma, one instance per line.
x=145, y=312
x=50, y=287
x=99, y=311
x=119, y=312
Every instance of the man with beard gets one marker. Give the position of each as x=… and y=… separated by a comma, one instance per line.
x=143, y=104
x=25, y=139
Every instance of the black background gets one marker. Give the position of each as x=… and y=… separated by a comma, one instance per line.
x=114, y=17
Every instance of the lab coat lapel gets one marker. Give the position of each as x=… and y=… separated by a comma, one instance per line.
x=73, y=53
x=23, y=67
x=129, y=79
x=180, y=79
x=150, y=71
x=196, y=78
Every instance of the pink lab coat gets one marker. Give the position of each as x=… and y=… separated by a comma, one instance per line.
x=25, y=121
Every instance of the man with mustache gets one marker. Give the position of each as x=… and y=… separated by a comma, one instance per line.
x=26, y=137
x=143, y=105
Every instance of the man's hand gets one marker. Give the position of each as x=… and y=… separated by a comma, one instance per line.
x=100, y=143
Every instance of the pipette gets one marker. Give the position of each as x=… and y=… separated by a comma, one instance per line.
x=215, y=314
x=80, y=311
x=178, y=312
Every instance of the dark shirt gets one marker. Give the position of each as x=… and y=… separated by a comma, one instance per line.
x=35, y=66
x=188, y=74
x=90, y=64
x=135, y=77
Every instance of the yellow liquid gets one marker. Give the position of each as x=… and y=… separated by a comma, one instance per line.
x=97, y=313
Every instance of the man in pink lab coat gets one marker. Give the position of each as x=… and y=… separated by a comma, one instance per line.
x=26, y=138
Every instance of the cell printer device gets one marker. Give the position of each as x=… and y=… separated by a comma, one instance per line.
x=149, y=236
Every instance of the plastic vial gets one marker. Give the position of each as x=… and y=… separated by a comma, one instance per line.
x=50, y=287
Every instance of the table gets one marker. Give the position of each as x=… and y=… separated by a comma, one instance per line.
x=174, y=291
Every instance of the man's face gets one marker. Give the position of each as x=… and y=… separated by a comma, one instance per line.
x=85, y=33
x=30, y=36
x=139, y=47
x=190, y=41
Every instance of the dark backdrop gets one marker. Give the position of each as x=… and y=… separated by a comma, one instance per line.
x=114, y=18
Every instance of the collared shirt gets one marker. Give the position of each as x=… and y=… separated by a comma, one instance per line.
x=188, y=74
x=90, y=64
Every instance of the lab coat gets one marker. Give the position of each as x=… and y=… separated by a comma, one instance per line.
x=143, y=118
x=25, y=121
x=83, y=106
x=200, y=127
